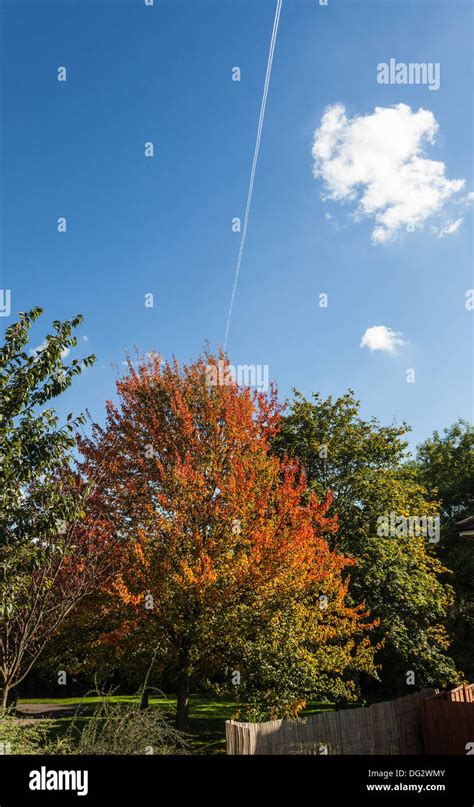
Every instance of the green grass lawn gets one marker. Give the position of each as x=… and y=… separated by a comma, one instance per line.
x=206, y=721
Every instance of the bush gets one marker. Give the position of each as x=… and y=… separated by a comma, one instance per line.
x=118, y=728
x=29, y=736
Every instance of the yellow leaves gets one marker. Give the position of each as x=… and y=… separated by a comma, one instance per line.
x=125, y=594
x=138, y=551
x=202, y=574
x=296, y=707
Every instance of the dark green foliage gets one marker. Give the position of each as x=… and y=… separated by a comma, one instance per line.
x=397, y=576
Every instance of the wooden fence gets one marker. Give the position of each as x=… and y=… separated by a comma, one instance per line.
x=462, y=694
x=448, y=722
x=390, y=727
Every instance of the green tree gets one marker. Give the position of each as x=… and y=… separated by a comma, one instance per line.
x=397, y=574
x=39, y=504
x=445, y=464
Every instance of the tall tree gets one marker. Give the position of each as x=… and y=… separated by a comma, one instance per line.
x=224, y=559
x=46, y=563
x=446, y=466
x=397, y=574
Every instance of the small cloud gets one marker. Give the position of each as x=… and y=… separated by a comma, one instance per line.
x=379, y=337
x=450, y=228
x=328, y=216
x=85, y=338
x=468, y=199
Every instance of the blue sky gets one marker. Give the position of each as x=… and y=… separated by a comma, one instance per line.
x=163, y=225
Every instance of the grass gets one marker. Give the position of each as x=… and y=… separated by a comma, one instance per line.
x=206, y=721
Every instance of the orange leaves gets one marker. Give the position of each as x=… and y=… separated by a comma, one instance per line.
x=200, y=575
x=125, y=595
x=178, y=465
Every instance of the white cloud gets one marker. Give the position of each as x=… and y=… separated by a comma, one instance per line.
x=377, y=161
x=379, y=337
x=450, y=228
x=468, y=199
x=85, y=338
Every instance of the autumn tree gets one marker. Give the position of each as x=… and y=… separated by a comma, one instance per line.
x=376, y=492
x=47, y=561
x=226, y=570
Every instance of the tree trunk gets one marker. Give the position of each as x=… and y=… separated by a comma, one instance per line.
x=12, y=699
x=5, y=692
x=182, y=704
x=144, y=699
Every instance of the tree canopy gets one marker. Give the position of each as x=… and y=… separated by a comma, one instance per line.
x=225, y=558
x=397, y=573
x=445, y=463
x=46, y=565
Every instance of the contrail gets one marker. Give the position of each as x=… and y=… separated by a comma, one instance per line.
x=254, y=164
